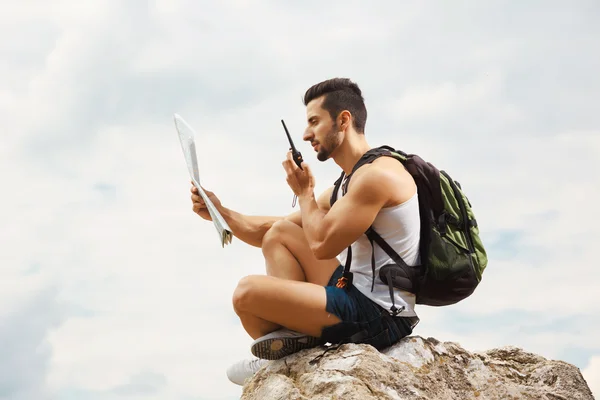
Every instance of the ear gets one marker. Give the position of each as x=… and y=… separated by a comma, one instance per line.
x=345, y=119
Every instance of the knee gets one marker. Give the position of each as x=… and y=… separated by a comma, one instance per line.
x=242, y=295
x=276, y=234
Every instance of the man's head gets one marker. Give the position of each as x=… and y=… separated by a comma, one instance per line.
x=333, y=107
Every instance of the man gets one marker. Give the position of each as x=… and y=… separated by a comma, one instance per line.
x=297, y=304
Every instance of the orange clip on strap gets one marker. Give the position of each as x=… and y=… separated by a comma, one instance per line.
x=341, y=282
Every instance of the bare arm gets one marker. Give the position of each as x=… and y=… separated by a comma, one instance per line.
x=249, y=228
x=370, y=189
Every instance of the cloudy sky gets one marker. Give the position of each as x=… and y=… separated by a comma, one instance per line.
x=112, y=289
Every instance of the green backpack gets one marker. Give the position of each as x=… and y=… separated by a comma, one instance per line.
x=452, y=254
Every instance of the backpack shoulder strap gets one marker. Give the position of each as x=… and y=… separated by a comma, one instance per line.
x=367, y=158
x=336, y=189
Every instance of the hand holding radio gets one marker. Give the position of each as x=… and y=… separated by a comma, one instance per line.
x=300, y=179
x=297, y=156
x=299, y=176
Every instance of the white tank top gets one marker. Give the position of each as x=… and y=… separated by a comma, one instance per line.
x=400, y=227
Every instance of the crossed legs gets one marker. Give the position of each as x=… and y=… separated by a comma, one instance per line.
x=292, y=294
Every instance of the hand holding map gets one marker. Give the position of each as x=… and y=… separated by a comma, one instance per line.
x=186, y=138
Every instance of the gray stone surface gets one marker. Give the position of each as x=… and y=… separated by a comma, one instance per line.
x=417, y=368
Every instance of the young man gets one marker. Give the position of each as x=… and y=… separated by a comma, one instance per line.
x=297, y=304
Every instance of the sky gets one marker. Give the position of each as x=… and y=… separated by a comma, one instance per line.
x=112, y=288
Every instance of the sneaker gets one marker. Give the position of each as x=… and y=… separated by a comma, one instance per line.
x=242, y=370
x=281, y=343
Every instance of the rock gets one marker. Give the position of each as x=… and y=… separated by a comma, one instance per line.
x=416, y=368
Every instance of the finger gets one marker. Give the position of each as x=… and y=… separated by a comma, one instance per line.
x=301, y=171
x=306, y=168
x=290, y=158
x=197, y=199
x=308, y=173
x=288, y=167
x=291, y=163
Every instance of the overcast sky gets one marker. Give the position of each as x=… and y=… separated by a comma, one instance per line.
x=112, y=289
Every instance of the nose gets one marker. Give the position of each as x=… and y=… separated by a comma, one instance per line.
x=308, y=135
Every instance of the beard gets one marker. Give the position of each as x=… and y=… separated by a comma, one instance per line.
x=332, y=141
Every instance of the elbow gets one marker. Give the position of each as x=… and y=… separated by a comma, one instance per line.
x=322, y=252
x=322, y=246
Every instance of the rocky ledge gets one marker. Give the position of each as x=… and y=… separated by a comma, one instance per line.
x=417, y=368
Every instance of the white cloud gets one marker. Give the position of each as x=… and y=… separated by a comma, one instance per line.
x=97, y=232
x=447, y=98
x=32, y=313
x=591, y=373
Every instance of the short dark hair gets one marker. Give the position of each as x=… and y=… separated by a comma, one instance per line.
x=340, y=94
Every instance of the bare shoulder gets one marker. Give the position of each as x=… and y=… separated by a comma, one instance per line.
x=387, y=177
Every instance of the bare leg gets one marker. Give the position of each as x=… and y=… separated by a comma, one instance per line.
x=287, y=256
x=265, y=301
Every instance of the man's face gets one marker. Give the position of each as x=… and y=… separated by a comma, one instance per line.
x=321, y=131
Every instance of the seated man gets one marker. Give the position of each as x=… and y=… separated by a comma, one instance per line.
x=301, y=302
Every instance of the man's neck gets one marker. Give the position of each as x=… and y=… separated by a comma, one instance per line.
x=351, y=150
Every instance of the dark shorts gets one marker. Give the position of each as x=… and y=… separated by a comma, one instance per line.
x=363, y=321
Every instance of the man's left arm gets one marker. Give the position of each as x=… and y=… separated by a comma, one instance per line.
x=351, y=215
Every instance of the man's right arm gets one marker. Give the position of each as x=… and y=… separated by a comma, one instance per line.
x=251, y=229
x=248, y=228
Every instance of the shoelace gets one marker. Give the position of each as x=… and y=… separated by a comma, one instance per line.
x=356, y=338
x=329, y=348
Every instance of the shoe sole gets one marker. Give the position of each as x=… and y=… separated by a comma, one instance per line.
x=276, y=348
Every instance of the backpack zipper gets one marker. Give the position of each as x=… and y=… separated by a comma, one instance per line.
x=463, y=211
x=454, y=242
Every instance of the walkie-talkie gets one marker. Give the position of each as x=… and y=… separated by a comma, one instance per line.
x=295, y=153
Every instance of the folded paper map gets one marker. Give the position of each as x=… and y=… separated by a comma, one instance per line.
x=186, y=138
